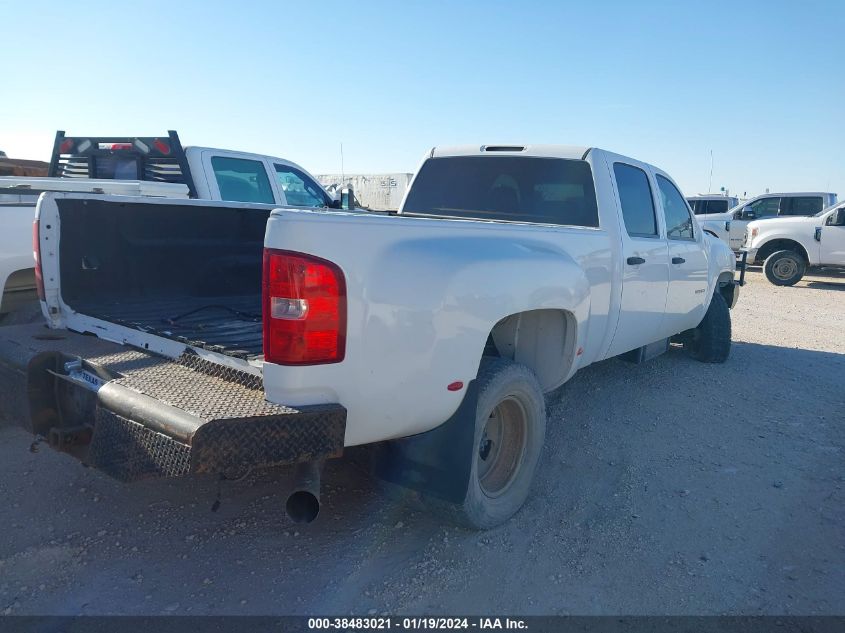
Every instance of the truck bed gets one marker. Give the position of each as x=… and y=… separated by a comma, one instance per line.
x=188, y=271
x=227, y=325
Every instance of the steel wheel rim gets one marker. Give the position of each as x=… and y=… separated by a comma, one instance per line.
x=784, y=269
x=502, y=447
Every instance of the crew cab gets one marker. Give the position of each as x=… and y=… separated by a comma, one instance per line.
x=145, y=166
x=191, y=336
x=787, y=247
x=769, y=205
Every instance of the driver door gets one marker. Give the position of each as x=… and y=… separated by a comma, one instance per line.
x=756, y=210
x=832, y=243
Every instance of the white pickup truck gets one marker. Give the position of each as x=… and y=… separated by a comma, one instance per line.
x=768, y=205
x=786, y=247
x=227, y=337
x=141, y=166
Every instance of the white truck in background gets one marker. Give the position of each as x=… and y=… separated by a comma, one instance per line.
x=707, y=204
x=768, y=205
x=228, y=337
x=787, y=247
x=141, y=166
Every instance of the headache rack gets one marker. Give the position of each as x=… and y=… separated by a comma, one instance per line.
x=150, y=158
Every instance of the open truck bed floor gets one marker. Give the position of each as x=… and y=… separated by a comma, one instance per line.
x=227, y=325
x=134, y=414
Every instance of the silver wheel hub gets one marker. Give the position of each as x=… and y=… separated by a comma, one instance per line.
x=784, y=268
x=502, y=447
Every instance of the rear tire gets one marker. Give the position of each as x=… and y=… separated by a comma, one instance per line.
x=510, y=429
x=784, y=268
x=710, y=342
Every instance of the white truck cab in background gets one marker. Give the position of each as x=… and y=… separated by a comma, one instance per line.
x=142, y=166
x=710, y=204
x=786, y=247
x=768, y=205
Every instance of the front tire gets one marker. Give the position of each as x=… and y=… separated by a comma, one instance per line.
x=784, y=268
x=510, y=429
x=710, y=342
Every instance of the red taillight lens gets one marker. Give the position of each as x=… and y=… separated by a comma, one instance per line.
x=161, y=146
x=304, y=309
x=36, y=253
x=66, y=146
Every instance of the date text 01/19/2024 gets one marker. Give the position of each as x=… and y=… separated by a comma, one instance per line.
x=415, y=623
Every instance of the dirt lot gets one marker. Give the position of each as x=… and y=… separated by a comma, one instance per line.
x=673, y=487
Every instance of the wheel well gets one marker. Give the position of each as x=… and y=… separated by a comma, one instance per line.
x=19, y=287
x=781, y=245
x=543, y=340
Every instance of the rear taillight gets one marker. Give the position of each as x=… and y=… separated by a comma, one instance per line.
x=36, y=253
x=304, y=311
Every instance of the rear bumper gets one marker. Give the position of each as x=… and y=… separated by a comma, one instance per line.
x=136, y=415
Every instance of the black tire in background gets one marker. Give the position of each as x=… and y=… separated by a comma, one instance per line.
x=710, y=342
x=784, y=268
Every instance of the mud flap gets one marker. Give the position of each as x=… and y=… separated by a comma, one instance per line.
x=436, y=463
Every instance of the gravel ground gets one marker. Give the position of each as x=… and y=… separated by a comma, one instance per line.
x=668, y=488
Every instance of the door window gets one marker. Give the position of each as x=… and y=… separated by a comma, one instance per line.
x=242, y=180
x=765, y=208
x=679, y=222
x=636, y=200
x=804, y=205
x=299, y=189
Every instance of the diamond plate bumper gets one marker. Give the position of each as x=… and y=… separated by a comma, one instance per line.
x=138, y=415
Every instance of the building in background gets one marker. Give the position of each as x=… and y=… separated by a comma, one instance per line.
x=383, y=192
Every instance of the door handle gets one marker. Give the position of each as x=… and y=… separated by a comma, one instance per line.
x=633, y=261
x=678, y=260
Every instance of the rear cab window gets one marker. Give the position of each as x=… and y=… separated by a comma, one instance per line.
x=242, y=180
x=506, y=188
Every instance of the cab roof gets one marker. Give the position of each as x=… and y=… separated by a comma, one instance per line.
x=575, y=152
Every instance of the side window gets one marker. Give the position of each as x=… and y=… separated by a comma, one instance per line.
x=242, y=180
x=679, y=222
x=717, y=206
x=765, y=208
x=299, y=189
x=636, y=200
x=805, y=205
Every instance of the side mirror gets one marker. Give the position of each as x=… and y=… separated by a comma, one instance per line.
x=837, y=218
x=748, y=214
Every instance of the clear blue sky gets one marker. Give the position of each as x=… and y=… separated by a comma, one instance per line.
x=761, y=84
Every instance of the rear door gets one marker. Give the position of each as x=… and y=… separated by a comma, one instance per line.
x=645, y=273
x=685, y=301
x=801, y=205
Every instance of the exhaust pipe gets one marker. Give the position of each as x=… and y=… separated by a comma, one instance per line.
x=303, y=504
